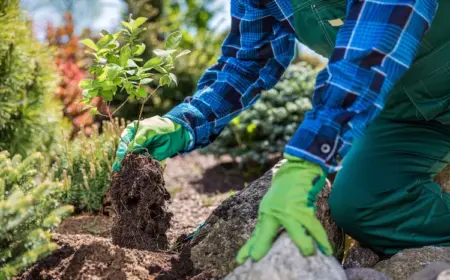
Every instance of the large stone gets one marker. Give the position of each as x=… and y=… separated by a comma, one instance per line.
x=444, y=275
x=431, y=271
x=285, y=262
x=361, y=257
x=215, y=245
x=407, y=262
x=360, y=273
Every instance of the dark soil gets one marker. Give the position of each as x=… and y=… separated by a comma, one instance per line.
x=87, y=257
x=140, y=201
x=98, y=225
x=198, y=184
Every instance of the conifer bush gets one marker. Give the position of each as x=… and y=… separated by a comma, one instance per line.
x=260, y=133
x=28, y=211
x=83, y=166
x=28, y=111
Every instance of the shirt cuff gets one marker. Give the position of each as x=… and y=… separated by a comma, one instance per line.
x=191, y=119
x=318, y=143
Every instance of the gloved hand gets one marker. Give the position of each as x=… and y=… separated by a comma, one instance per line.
x=289, y=203
x=160, y=137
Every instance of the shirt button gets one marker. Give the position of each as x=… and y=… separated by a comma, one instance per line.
x=325, y=148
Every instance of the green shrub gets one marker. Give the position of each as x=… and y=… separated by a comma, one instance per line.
x=28, y=112
x=28, y=210
x=261, y=132
x=84, y=167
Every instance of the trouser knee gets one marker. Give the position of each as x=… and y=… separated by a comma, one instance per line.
x=342, y=210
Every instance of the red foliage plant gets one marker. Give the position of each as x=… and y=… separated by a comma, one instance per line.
x=72, y=63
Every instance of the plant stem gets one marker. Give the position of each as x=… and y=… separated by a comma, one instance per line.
x=121, y=105
x=142, y=108
x=110, y=115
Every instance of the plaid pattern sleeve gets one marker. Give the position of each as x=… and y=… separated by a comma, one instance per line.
x=374, y=48
x=258, y=49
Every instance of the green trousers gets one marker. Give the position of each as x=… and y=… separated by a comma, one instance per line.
x=385, y=196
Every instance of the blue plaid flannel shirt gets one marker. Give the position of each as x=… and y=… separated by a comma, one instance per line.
x=374, y=47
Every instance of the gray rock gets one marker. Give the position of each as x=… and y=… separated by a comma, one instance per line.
x=444, y=275
x=361, y=257
x=431, y=271
x=360, y=273
x=407, y=262
x=226, y=230
x=285, y=262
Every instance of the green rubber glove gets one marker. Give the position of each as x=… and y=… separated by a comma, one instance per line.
x=289, y=203
x=160, y=137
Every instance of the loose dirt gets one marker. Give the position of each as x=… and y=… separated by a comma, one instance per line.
x=87, y=257
x=140, y=201
x=197, y=183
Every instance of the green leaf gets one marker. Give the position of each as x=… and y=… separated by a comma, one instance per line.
x=142, y=93
x=113, y=46
x=111, y=58
x=85, y=84
x=89, y=43
x=139, y=49
x=103, y=52
x=164, y=80
x=104, y=41
x=152, y=63
x=93, y=111
x=184, y=52
x=104, y=32
x=173, y=40
x=87, y=107
x=125, y=54
x=113, y=71
x=139, y=21
x=144, y=75
x=160, y=69
x=131, y=72
x=128, y=87
x=173, y=78
x=134, y=78
x=108, y=95
x=163, y=53
x=84, y=101
x=117, y=34
x=127, y=25
x=146, y=81
x=131, y=63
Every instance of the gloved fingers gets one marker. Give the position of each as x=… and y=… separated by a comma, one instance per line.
x=267, y=231
x=244, y=252
x=318, y=233
x=128, y=133
x=116, y=165
x=298, y=234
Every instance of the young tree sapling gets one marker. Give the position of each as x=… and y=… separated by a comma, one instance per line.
x=137, y=191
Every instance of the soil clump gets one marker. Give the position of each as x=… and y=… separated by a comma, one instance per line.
x=140, y=201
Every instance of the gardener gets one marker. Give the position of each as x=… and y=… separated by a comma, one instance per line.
x=382, y=102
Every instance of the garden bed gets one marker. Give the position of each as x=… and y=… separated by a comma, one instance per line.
x=197, y=184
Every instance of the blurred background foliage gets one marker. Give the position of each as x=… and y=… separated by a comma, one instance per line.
x=29, y=114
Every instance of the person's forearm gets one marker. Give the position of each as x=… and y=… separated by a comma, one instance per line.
x=253, y=59
x=374, y=48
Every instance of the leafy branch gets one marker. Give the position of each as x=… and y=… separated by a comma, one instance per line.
x=116, y=66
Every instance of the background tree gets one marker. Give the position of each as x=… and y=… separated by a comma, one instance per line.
x=29, y=115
